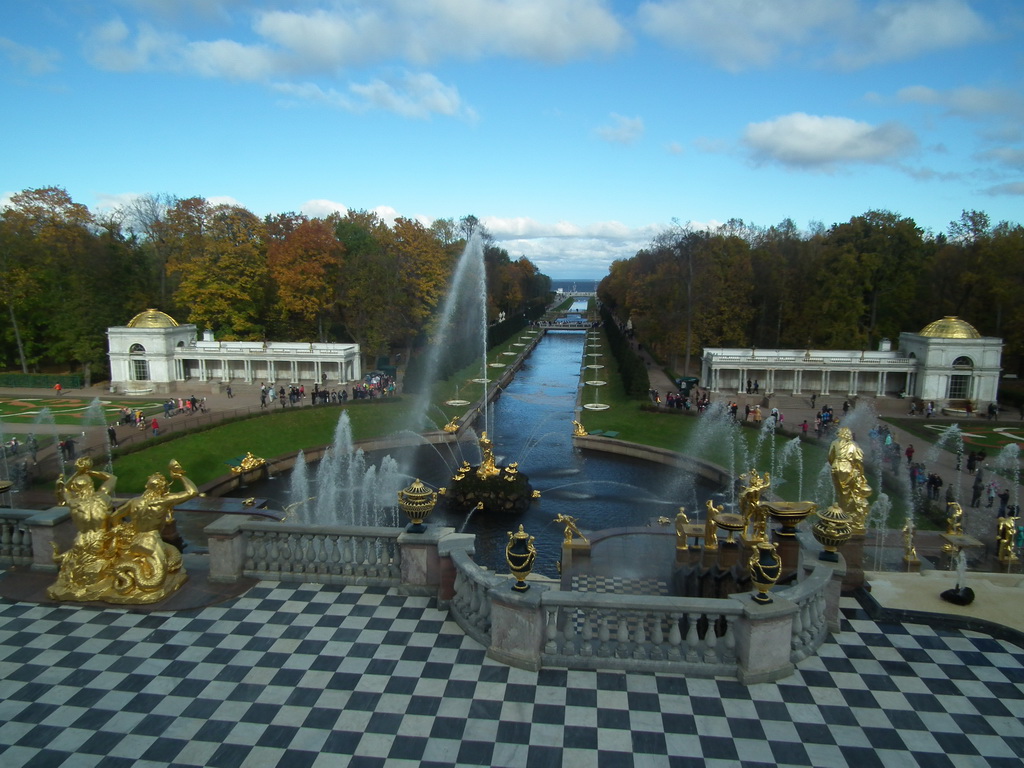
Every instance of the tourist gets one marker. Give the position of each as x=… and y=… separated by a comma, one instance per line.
x=112, y=435
x=991, y=494
x=909, y=453
x=1004, y=499
x=153, y=425
x=58, y=389
x=976, y=490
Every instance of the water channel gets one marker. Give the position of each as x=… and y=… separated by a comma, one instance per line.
x=531, y=423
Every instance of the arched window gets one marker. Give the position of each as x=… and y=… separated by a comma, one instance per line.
x=139, y=364
x=960, y=379
x=136, y=349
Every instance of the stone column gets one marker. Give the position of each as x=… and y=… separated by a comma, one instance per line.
x=46, y=528
x=764, y=637
x=421, y=564
x=227, y=548
x=518, y=627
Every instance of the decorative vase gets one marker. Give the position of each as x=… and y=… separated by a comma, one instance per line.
x=765, y=568
x=417, y=501
x=520, y=554
x=832, y=530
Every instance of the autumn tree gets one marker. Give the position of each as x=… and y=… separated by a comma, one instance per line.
x=222, y=268
x=305, y=266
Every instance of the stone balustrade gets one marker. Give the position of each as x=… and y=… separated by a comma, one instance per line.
x=544, y=626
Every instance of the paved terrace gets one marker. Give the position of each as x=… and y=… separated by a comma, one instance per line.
x=296, y=675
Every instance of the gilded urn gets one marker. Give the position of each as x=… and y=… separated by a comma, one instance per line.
x=520, y=553
x=832, y=530
x=417, y=501
x=789, y=513
x=765, y=569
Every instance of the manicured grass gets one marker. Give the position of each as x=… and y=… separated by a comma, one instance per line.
x=205, y=455
x=977, y=433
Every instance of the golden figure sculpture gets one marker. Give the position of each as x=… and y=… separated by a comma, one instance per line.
x=954, y=518
x=1006, y=533
x=851, y=486
x=909, y=550
x=711, y=525
x=249, y=463
x=148, y=569
x=119, y=556
x=85, y=569
x=750, y=503
x=578, y=430
x=452, y=426
x=571, y=531
x=487, y=468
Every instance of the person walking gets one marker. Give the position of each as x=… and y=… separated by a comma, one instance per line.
x=976, y=490
x=909, y=453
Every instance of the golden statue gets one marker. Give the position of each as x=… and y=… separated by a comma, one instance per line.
x=148, y=569
x=249, y=463
x=487, y=466
x=571, y=531
x=711, y=525
x=909, y=550
x=851, y=486
x=750, y=503
x=578, y=429
x=452, y=426
x=954, y=518
x=85, y=569
x=119, y=556
x=681, y=522
x=1006, y=533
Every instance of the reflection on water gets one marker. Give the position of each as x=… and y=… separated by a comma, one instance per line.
x=532, y=424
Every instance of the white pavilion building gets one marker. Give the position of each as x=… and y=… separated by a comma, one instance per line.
x=947, y=362
x=154, y=353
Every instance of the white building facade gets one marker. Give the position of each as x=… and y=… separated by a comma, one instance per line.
x=154, y=353
x=947, y=362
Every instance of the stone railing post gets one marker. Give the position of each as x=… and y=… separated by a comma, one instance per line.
x=421, y=563
x=518, y=626
x=227, y=548
x=446, y=568
x=46, y=528
x=763, y=639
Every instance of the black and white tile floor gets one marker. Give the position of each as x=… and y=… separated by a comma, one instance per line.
x=308, y=675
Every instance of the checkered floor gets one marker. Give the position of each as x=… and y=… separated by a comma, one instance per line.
x=304, y=675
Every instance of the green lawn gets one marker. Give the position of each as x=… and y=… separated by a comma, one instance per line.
x=68, y=410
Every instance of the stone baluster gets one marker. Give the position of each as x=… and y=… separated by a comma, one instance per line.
x=603, y=637
x=692, y=638
x=711, y=640
x=587, y=632
x=729, y=639
x=675, y=636
x=640, y=638
x=658, y=637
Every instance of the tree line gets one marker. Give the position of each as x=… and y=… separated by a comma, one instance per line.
x=68, y=275
x=844, y=287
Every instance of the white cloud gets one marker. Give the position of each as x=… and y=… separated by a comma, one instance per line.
x=418, y=95
x=111, y=46
x=1011, y=188
x=738, y=34
x=321, y=208
x=622, y=130
x=566, y=249
x=968, y=102
x=224, y=200
x=231, y=60
x=35, y=60
x=896, y=31
x=743, y=34
x=823, y=142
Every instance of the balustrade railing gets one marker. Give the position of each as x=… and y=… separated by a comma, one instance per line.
x=326, y=554
x=15, y=540
x=598, y=631
x=810, y=622
x=471, y=605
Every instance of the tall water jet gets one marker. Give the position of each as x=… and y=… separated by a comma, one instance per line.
x=345, y=490
x=460, y=333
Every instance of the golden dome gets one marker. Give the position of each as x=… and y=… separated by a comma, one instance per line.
x=152, y=318
x=950, y=327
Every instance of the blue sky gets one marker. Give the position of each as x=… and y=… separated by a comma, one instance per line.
x=575, y=130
